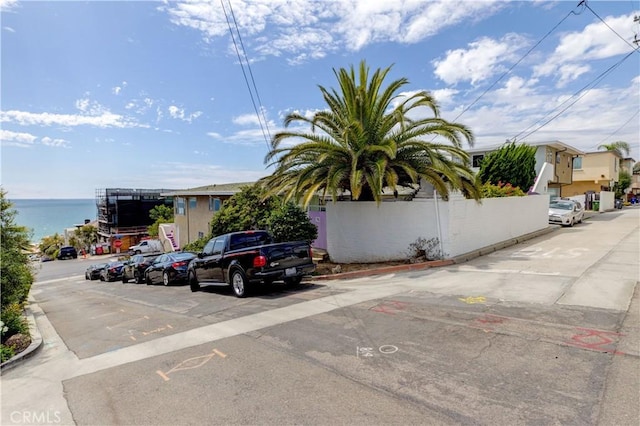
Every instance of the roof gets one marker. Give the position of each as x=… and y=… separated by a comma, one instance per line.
x=215, y=189
x=554, y=144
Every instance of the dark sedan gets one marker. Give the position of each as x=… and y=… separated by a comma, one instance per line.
x=93, y=271
x=112, y=271
x=168, y=268
x=134, y=268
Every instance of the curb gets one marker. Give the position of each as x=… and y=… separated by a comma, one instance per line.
x=34, y=347
x=385, y=270
x=503, y=244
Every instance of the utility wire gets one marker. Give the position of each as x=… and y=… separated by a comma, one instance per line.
x=518, y=62
x=253, y=81
x=619, y=128
x=245, y=74
x=607, y=25
x=593, y=84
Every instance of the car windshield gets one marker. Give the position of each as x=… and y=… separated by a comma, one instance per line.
x=562, y=206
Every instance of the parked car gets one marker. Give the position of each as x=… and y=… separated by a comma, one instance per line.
x=147, y=246
x=168, y=268
x=134, y=268
x=112, y=271
x=93, y=271
x=241, y=259
x=565, y=212
x=67, y=252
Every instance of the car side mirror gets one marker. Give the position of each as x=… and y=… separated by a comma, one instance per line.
x=200, y=255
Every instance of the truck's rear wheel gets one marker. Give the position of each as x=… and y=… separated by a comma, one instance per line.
x=239, y=283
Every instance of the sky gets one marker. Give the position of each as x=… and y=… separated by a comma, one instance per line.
x=143, y=94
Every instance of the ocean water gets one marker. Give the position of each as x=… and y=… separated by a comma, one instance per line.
x=46, y=217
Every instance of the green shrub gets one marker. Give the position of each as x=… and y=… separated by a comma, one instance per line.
x=6, y=353
x=511, y=163
x=197, y=245
x=501, y=190
x=14, y=320
x=291, y=223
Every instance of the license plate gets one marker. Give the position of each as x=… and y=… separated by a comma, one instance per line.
x=290, y=271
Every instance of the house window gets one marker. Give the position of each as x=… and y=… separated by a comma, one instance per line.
x=200, y=235
x=477, y=159
x=180, y=206
x=193, y=202
x=214, y=204
x=557, y=158
x=577, y=163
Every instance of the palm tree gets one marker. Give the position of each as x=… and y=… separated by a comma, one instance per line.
x=621, y=148
x=365, y=141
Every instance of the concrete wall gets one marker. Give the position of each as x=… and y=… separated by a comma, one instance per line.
x=607, y=200
x=365, y=232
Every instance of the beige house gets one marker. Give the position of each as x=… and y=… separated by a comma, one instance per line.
x=595, y=171
x=194, y=208
x=553, y=159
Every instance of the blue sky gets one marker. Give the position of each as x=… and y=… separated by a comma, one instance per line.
x=141, y=94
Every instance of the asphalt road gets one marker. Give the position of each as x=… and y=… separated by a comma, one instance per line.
x=544, y=332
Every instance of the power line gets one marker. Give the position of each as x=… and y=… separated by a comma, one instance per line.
x=586, y=90
x=607, y=25
x=619, y=128
x=244, y=73
x=253, y=81
x=518, y=62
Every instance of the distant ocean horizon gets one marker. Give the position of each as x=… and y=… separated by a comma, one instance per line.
x=46, y=217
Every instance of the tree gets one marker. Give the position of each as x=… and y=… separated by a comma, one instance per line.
x=366, y=141
x=291, y=223
x=248, y=209
x=514, y=164
x=15, y=274
x=159, y=214
x=84, y=236
x=621, y=148
x=50, y=245
x=623, y=183
x=636, y=168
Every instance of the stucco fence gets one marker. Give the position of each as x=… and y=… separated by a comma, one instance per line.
x=366, y=232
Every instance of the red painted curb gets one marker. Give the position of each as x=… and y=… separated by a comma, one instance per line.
x=385, y=270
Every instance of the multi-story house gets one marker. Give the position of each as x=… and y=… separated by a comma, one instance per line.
x=594, y=172
x=554, y=161
x=194, y=208
x=123, y=215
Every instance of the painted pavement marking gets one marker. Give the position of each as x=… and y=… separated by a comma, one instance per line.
x=191, y=363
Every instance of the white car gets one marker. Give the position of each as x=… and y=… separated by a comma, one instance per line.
x=565, y=212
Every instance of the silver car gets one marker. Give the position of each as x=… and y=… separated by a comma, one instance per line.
x=565, y=212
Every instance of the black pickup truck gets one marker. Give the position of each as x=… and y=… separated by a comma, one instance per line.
x=241, y=259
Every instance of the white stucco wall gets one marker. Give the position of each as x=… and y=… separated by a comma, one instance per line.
x=365, y=232
x=607, y=200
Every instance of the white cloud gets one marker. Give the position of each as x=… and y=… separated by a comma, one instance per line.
x=8, y=5
x=106, y=119
x=246, y=120
x=444, y=96
x=308, y=29
x=178, y=113
x=522, y=106
x=22, y=140
x=595, y=41
x=117, y=89
x=11, y=30
x=480, y=61
x=57, y=143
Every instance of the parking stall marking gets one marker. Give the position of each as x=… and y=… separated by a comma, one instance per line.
x=191, y=363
